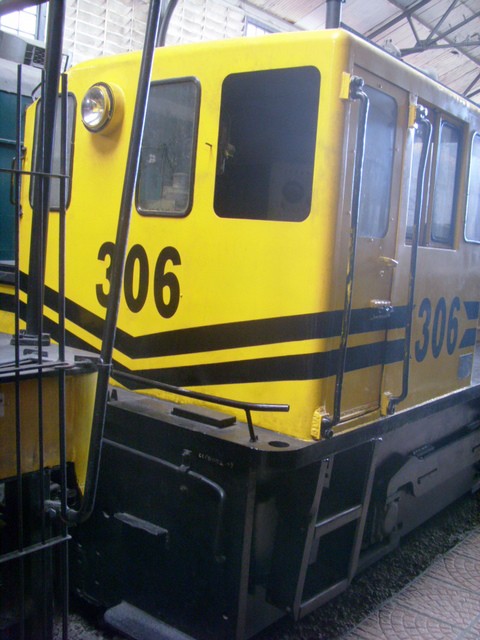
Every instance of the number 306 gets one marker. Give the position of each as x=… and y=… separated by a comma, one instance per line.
x=166, y=287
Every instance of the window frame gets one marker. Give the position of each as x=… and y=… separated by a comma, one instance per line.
x=476, y=135
x=442, y=120
x=70, y=147
x=413, y=186
x=388, y=200
x=222, y=209
x=191, y=185
x=438, y=117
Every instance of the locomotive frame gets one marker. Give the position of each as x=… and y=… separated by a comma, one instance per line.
x=222, y=523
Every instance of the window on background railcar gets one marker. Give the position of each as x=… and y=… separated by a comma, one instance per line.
x=378, y=165
x=266, y=144
x=165, y=179
x=420, y=139
x=446, y=179
x=472, y=224
x=56, y=161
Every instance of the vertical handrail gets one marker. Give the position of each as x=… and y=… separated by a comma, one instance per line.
x=162, y=34
x=61, y=350
x=43, y=163
x=18, y=432
x=356, y=93
x=109, y=328
x=423, y=121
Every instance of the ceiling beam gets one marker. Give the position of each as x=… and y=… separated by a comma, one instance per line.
x=402, y=16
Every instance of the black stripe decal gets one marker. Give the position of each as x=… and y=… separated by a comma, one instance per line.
x=296, y=367
x=7, y=302
x=233, y=335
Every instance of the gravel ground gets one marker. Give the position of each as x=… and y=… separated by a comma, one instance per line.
x=367, y=592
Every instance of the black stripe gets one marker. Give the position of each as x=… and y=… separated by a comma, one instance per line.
x=252, y=333
x=312, y=366
x=7, y=302
x=297, y=367
x=229, y=335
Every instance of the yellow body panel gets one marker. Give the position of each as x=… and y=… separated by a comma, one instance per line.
x=80, y=393
x=240, y=277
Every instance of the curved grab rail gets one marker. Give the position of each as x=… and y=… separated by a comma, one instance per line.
x=356, y=93
x=421, y=121
x=76, y=516
x=248, y=407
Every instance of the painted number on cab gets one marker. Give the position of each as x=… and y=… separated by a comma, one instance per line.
x=439, y=327
x=137, y=279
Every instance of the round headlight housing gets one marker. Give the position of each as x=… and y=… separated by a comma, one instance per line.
x=98, y=107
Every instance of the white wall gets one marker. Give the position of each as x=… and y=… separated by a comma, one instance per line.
x=105, y=27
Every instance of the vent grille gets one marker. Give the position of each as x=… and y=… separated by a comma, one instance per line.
x=34, y=55
x=105, y=27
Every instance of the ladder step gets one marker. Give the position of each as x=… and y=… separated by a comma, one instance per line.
x=139, y=625
x=307, y=606
x=337, y=520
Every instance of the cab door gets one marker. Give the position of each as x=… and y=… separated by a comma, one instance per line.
x=373, y=185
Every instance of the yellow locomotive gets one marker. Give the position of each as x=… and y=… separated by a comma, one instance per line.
x=293, y=384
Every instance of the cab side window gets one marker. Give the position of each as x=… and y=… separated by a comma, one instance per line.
x=377, y=165
x=419, y=142
x=445, y=193
x=439, y=188
x=165, y=178
x=472, y=226
x=56, y=158
x=266, y=144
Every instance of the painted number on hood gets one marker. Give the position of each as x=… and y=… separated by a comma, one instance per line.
x=137, y=279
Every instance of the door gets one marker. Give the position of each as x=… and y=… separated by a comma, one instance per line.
x=373, y=264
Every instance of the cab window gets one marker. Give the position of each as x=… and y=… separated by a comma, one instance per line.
x=266, y=144
x=377, y=165
x=440, y=181
x=445, y=193
x=165, y=179
x=419, y=142
x=472, y=226
x=56, y=158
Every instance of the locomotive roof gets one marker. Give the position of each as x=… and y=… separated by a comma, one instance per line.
x=400, y=71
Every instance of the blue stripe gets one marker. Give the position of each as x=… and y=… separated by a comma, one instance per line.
x=469, y=338
x=472, y=308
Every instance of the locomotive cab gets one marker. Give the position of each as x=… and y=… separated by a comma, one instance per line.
x=301, y=239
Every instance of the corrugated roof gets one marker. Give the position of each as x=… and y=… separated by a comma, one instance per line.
x=441, y=36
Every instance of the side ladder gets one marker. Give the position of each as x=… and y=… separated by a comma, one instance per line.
x=322, y=539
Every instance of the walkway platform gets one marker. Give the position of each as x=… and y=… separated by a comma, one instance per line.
x=443, y=603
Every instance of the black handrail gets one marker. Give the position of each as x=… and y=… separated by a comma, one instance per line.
x=18, y=408
x=248, y=407
x=162, y=34
x=356, y=93
x=43, y=163
x=118, y=261
x=422, y=121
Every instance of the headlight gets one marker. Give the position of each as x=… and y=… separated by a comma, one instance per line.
x=102, y=108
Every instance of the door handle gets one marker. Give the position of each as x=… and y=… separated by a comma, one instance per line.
x=381, y=308
x=386, y=261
